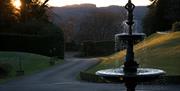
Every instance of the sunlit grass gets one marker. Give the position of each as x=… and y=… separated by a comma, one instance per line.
x=157, y=39
x=156, y=51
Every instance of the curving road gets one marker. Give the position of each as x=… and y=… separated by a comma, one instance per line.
x=63, y=78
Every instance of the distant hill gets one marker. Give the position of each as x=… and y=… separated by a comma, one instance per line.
x=77, y=11
x=86, y=5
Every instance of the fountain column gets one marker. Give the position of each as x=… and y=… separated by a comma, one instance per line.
x=130, y=66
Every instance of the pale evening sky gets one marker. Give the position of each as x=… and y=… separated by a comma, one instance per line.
x=99, y=3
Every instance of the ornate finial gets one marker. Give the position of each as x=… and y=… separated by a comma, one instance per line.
x=130, y=8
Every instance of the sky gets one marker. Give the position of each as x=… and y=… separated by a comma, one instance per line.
x=99, y=3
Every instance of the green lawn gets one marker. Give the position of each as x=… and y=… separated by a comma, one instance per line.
x=156, y=51
x=31, y=63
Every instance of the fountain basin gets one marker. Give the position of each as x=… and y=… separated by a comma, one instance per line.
x=142, y=75
x=134, y=36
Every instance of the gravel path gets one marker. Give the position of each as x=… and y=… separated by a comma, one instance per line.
x=63, y=78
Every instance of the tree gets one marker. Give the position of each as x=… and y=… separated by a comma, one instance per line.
x=69, y=29
x=7, y=13
x=33, y=9
x=162, y=14
x=100, y=26
x=30, y=10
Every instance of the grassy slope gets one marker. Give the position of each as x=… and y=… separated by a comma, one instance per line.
x=157, y=51
x=31, y=62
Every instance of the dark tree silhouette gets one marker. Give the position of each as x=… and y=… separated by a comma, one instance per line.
x=8, y=15
x=33, y=9
x=162, y=14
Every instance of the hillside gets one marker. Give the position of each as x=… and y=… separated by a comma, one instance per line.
x=156, y=51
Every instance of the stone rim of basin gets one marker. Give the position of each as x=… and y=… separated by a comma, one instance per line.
x=141, y=72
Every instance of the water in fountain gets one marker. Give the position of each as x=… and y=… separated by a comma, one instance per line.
x=121, y=44
x=136, y=27
x=125, y=27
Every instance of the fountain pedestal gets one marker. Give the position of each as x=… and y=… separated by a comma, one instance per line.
x=130, y=83
x=130, y=74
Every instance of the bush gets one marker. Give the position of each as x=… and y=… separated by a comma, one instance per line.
x=5, y=69
x=49, y=45
x=176, y=26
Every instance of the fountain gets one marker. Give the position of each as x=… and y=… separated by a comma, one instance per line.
x=130, y=74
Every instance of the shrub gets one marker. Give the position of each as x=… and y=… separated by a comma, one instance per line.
x=5, y=69
x=176, y=26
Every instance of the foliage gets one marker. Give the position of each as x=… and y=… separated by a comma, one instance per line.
x=29, y=29
x=32, y=16
x=176, y=26
x=8, y=16
x=33, y=9
x=162, y=14
x=5, y=69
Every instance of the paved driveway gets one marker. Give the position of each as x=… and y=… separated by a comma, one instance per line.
x=63, y=78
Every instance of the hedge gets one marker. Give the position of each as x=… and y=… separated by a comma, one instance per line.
x=49, y=45
x=5, y=69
